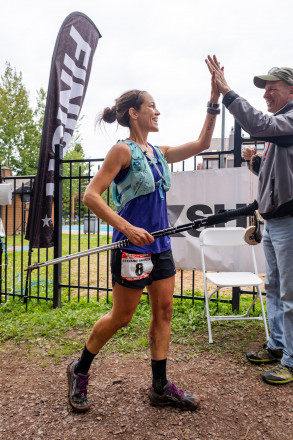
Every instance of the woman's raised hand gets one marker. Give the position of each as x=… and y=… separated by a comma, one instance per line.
x=217, y=73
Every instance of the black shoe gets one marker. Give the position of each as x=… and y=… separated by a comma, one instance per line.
x=173, y=397
x=265, y=355
x=77, y=393
x=279, y=375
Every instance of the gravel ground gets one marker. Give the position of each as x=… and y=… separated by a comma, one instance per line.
x=235, y=402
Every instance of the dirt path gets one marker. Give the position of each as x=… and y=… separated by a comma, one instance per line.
x=236, y=404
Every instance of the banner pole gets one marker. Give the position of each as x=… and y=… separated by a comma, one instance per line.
x=57, y=272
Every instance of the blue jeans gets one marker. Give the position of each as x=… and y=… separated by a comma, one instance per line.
x=278, y=249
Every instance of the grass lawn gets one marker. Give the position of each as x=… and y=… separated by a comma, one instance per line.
x=87, y=271
x=48, y=334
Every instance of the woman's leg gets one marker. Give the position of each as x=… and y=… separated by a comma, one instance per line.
x=163, y=392
x=161, y=298
x=125, y=301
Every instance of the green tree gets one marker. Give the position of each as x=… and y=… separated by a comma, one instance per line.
x=19, y=124
x=29, y=153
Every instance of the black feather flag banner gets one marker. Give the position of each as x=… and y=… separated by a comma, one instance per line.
x=69, y=76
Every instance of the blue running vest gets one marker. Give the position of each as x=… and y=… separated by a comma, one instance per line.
x=148, y=212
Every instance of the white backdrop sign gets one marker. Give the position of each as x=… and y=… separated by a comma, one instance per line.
x=196, y=194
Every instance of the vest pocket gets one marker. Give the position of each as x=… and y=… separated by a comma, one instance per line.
x=137, y=165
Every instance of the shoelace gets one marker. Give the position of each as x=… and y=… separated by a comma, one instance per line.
x=174, y=389
x=283, y=369
x=82, y=386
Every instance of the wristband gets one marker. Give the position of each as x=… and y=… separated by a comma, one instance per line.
x=213, y=105
x=212, y=111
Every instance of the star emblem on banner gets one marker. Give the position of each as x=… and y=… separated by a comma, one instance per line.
x=46, y=221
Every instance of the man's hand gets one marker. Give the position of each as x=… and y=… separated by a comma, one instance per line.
x=218, y=74
x=248, y=152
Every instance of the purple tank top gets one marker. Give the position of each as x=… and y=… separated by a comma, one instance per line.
x=148, y=212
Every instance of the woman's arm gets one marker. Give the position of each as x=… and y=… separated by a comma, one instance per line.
x=118, y=158
x=182, y=152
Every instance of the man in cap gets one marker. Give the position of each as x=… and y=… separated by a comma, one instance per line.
x=275, y=200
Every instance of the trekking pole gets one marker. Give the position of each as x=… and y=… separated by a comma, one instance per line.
x=221, y=217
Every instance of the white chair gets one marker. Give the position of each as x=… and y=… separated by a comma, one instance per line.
x=221, y=239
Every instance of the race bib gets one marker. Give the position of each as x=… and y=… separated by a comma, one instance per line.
x=135, y=266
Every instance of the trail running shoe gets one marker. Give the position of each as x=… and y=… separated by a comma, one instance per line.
x=172, y=396
x=265, y=355
x=279, y=375
x=77, y=393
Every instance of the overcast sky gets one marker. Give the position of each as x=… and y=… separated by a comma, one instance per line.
x=153, y=45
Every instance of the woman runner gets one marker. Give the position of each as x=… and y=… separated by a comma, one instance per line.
x=139, y=176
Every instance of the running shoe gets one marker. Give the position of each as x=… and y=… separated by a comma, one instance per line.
x=264, y=355
x=279, y=375
x=77, y=389
x=172, y=396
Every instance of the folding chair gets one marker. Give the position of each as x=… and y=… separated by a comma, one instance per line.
x=220, y=239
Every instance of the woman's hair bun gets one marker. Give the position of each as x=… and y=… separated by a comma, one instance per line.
x=109, y=115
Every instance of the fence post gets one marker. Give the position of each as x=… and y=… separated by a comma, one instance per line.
x=235, y=299
x=237, y=163
x=237, y=145
x=57, y=224
x=222, y=159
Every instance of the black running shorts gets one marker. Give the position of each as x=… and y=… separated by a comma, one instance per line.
x=162, y=267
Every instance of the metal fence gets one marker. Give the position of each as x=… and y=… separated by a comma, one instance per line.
x=75, y=229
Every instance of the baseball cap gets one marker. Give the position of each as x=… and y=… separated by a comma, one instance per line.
x=274, y=74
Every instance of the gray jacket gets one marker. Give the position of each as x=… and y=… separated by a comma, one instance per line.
x=275, y=169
